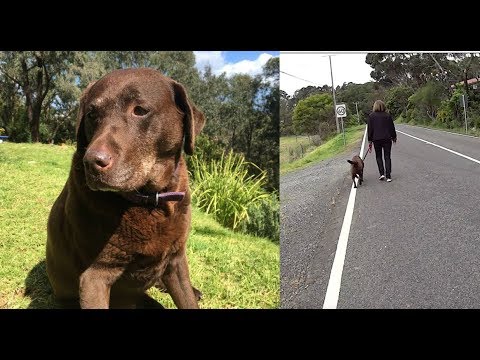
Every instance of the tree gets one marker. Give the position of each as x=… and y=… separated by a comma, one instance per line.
x=307, y=91
x=265, y=142
x=212, y=99
x=286, y=112
x=407, y=69
x=8, y=104
x=311, y=112
x=427, y=100
x=34, y=73
x=397, y=100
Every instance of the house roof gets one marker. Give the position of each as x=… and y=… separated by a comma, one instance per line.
x=469, y=82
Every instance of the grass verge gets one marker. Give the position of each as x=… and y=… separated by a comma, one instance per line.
x=294, y=147
x=330, y=148
x=436, y=126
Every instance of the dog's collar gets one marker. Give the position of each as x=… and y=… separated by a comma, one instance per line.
x=156, y=198
x=153, y=199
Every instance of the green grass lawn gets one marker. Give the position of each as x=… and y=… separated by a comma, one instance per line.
x=332, y=147
x=232, y=270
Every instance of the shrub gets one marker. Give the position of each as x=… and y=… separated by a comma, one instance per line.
x=225, y=189
x=206, y=150
x=264, y=218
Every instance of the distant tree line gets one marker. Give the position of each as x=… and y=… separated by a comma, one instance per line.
x=422, y=88
x=39, y=92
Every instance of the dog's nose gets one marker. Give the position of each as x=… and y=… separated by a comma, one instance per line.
x=98, y=159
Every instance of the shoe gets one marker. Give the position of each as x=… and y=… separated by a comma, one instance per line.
x=382, y=177
x=389, y=180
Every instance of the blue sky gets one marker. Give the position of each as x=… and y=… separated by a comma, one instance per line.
x=234, y=62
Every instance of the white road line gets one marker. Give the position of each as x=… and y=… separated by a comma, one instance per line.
x=333, y=289
x=443, y=131
x=441, y=147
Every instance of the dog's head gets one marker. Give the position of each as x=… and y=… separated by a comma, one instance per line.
x=131, y=127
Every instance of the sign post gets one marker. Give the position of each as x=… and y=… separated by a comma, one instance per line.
x=341, y=112
x=358, y=116
x=333, y=93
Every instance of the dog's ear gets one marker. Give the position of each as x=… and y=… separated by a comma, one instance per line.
x=193, y=120
x=350, y=161
x=80, y=127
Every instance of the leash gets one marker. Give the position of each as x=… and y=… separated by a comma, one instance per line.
x=368, y=151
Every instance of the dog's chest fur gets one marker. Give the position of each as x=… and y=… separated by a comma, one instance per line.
x=147, y=239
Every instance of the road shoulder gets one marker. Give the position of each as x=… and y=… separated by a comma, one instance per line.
x=313, y=202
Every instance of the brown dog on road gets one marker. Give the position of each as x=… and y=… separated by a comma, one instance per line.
x=121, y=223
x=356, y=169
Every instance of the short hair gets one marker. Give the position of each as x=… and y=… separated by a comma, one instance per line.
x=379, y=105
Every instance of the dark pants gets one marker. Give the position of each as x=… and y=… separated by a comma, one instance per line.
x=386, y=145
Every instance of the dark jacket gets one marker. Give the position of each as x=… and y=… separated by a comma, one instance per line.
x=381, y=127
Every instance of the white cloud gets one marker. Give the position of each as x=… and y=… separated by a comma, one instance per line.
x=250, y=67
x=214, y=58
x=217, y=61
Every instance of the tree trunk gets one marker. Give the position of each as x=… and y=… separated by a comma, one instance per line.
x=35, y=122
x=28, y=99
x=29, y=105
x=34, y=96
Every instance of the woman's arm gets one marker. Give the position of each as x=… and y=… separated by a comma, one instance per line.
x=370, y=129
x=392, y=130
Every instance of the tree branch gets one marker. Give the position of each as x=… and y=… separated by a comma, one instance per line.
x=12, y=78
x=47, y=80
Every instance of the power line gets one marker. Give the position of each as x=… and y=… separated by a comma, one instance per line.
x=296, y=77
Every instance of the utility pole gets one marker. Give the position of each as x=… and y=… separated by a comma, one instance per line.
x=358, y=117
x=333, y=93
x=465, y=112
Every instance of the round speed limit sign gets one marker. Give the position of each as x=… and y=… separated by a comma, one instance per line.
x=341, y=110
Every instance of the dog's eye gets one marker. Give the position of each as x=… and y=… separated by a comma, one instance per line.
x=139, y=111
x=91, y=115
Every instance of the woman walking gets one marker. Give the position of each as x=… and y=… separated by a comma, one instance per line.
x=381, y=131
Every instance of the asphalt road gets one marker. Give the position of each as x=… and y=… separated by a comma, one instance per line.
x=413, y=243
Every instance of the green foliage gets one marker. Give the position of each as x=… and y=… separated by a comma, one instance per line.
x=308, y=91
x=286, y=112
x=34, y=75
x=396, y=100
x=363, y=95
x=208, y=148
x=18, y=129
x=426, y=101
x=225, y=189
x=450, y=112
x=311, y=112
x=264, y=218
x=414, y=69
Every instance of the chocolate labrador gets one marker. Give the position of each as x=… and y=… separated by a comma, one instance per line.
x=356, y=169
x=121, y=223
